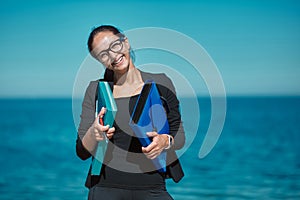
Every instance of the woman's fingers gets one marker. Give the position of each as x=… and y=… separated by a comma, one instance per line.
x=98, y=135
x=102, y=111
x=152, y=150
x=153, y=153
x=101, y=131
x=99, y=118
x=156, y=146
x=110, y=132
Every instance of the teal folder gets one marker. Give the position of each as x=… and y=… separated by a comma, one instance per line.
x=150, y=115
x=105, y=99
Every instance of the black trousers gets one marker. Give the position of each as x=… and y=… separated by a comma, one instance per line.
x=106, y=193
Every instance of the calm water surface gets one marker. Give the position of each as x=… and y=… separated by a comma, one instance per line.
x=257, y=156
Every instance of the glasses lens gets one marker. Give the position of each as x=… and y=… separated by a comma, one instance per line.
x=103, y=56
x=116, y=46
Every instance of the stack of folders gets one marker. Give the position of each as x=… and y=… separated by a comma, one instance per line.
x=149, y=115
x=105, y=99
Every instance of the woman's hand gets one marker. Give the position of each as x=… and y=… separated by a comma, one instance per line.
x=99, y=130
x=96, y=133
x=158, y=144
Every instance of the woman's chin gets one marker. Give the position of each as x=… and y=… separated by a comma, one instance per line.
x=122, y=66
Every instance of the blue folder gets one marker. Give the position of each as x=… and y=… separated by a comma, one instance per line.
x=149, y=115
x=105, y=99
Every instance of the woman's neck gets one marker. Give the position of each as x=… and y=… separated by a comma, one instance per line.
x=131, y=76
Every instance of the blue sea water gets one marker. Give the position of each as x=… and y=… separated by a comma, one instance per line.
x=256, y=157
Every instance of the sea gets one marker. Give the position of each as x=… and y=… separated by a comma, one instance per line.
x=257, y=155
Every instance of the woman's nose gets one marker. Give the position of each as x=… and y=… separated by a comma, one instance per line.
x=112, y=56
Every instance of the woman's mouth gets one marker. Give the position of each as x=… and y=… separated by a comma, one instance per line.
x=118, y=61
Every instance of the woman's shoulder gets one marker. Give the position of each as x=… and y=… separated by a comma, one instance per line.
x=161, y=79
x=92, y=84
x=157, y=77
x=91, y=88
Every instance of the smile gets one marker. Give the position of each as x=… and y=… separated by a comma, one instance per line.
x=118, y=61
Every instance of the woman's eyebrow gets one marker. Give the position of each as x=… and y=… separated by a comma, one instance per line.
x=108, y=43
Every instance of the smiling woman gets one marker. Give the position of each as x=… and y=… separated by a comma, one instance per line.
x=127, y=171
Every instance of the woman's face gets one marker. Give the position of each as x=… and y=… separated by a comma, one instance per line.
x=112, y=51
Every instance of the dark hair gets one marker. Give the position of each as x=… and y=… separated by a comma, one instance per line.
x=99, y=29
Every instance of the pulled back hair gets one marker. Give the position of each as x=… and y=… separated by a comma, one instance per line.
x=99, y=29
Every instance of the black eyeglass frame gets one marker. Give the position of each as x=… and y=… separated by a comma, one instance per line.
x=106, y=51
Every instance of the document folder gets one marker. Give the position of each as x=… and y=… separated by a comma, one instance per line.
x=149, y=115
x=105, y=99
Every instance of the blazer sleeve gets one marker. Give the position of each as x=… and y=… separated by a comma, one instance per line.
x=167, y=90
x=87, y=118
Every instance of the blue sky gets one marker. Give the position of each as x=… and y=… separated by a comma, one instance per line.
x=255, y=44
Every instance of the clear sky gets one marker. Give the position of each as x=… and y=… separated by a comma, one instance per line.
x=255, y=43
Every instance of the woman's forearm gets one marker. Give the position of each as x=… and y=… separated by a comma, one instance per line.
x=89, y=142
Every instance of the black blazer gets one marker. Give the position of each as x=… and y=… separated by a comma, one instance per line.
x=168, y=94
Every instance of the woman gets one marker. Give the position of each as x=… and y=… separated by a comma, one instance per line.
x=124, y=174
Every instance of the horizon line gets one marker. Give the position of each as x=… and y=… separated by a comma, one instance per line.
x=179, y=96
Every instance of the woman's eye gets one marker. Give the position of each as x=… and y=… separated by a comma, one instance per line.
x=103, y=56
x=115, y=46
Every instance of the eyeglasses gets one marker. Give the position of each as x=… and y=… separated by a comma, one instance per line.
x=116, y=46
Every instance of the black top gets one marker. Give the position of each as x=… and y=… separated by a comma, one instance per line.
x=125, y=164
x=174, y=170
